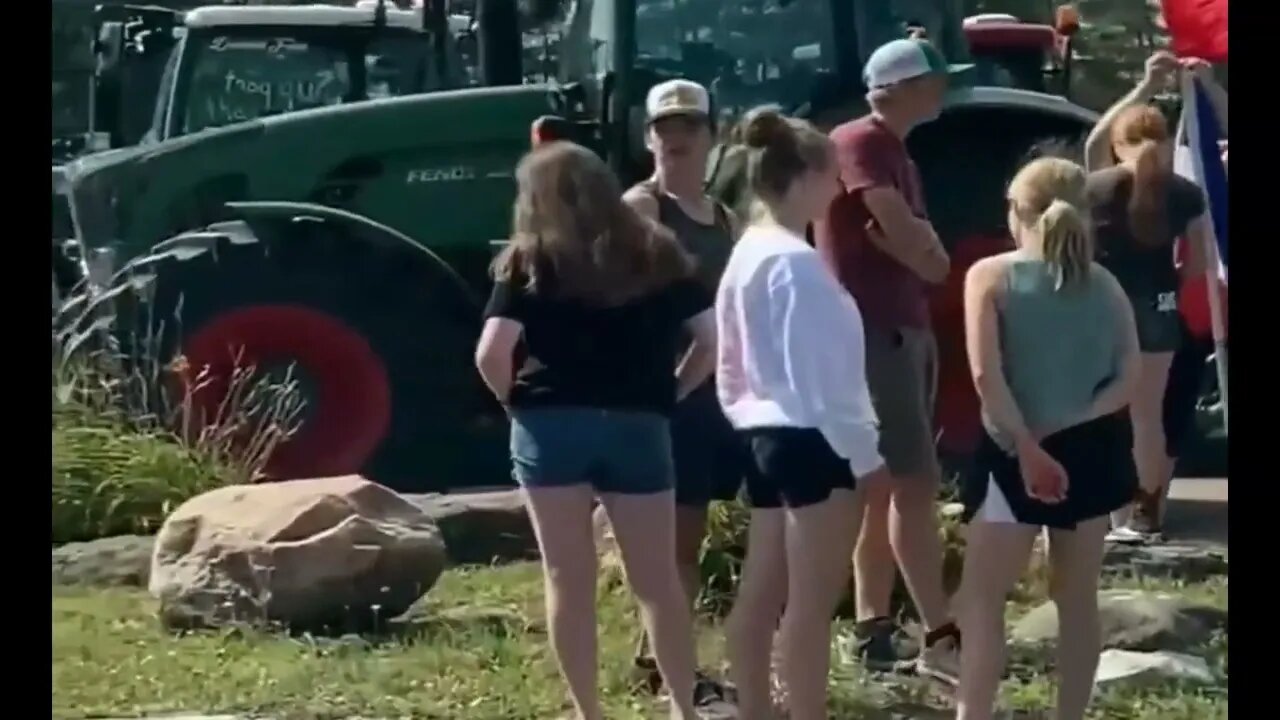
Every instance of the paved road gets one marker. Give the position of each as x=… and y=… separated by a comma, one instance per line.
x=1197, y=510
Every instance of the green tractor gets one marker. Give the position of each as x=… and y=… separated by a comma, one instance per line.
x=156, y=72
x=136, y=50
x=349, y=239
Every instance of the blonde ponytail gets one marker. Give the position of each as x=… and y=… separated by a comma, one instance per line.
x=1067, y=247
x=1047, y=195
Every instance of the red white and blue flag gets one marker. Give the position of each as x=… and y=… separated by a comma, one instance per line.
x=1199, y=160
x=1198, y=29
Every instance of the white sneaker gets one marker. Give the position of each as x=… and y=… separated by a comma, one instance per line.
x=941, y=661
x=1125, y=535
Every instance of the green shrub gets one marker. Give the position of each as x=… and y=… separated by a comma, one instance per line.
x=111, y=481
x=129, y=445
x=722, y=553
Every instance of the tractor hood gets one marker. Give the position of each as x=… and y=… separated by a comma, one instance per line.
x=115, y=193
x=963, y=98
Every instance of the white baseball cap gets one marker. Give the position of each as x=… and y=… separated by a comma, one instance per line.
x=677, y=97
x=900, y=60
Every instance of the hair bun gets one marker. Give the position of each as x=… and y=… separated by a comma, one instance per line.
x=766, y=127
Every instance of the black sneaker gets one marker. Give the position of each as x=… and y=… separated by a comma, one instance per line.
x=647, y=678
x=940, y=658
x=707, y=691
x=875, y=646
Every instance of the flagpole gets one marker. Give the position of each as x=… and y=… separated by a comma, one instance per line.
x=1210, y=250
x=1216, y=320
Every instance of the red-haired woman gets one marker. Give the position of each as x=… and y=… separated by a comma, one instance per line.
x=1140, y=207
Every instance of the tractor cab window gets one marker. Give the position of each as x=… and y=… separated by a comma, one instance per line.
x=746, y=51
x=234, y=78
x=1024, y=69
x=398, y=66
x=586, y=45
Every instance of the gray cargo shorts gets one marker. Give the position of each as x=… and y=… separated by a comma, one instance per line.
x=902, y=375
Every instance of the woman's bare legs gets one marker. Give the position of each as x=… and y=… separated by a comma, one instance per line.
x=562, y=522
x=917, y=543
x=1075, y=559
x=691, y=528
x=756, y=609
x=1167, y=471
x=819, y=541
x=900, y=523
x=874, y=566
x=1147, y=413
x=644, y=526
x=995, y=557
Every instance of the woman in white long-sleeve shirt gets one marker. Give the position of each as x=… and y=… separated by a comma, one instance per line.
x=791, y=379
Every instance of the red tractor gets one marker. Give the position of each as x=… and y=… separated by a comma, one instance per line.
x=1010, y=53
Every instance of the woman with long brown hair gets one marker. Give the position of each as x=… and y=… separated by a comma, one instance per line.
x=600, y=299
x=1140, y=207
x=1054, y=357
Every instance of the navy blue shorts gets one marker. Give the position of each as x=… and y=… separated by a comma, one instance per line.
x=711, y=458
x=614, y=451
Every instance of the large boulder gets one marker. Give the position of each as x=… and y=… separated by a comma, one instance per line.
x=482, y=528
x=1186, y=562
x=325, y=555
x=1133, y=620
x=124, y=560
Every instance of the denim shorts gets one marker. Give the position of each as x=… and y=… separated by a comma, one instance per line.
x=614, y=451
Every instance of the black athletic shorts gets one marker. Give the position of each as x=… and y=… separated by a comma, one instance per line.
x=793, y=467
x=1158, y=322
x=710, y=457
x=1101, y=477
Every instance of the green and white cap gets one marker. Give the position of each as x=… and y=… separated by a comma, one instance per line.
x=900, y=60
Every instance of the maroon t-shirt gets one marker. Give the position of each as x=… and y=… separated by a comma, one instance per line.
x=889, y=294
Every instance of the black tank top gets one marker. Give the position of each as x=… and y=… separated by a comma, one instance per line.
x=710, y=245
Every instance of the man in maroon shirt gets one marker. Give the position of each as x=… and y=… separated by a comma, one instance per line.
x=878, y=241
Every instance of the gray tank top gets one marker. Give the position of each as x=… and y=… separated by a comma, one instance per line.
x=1059, y=347
x=710, y=245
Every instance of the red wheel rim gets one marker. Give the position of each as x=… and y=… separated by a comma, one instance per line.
x=348, y=414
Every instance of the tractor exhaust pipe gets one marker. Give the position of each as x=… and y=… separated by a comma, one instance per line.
x=501, y=42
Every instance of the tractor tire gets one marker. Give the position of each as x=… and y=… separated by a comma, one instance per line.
x=383, y=352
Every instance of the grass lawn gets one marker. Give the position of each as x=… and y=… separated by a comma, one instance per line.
x=476, y=651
